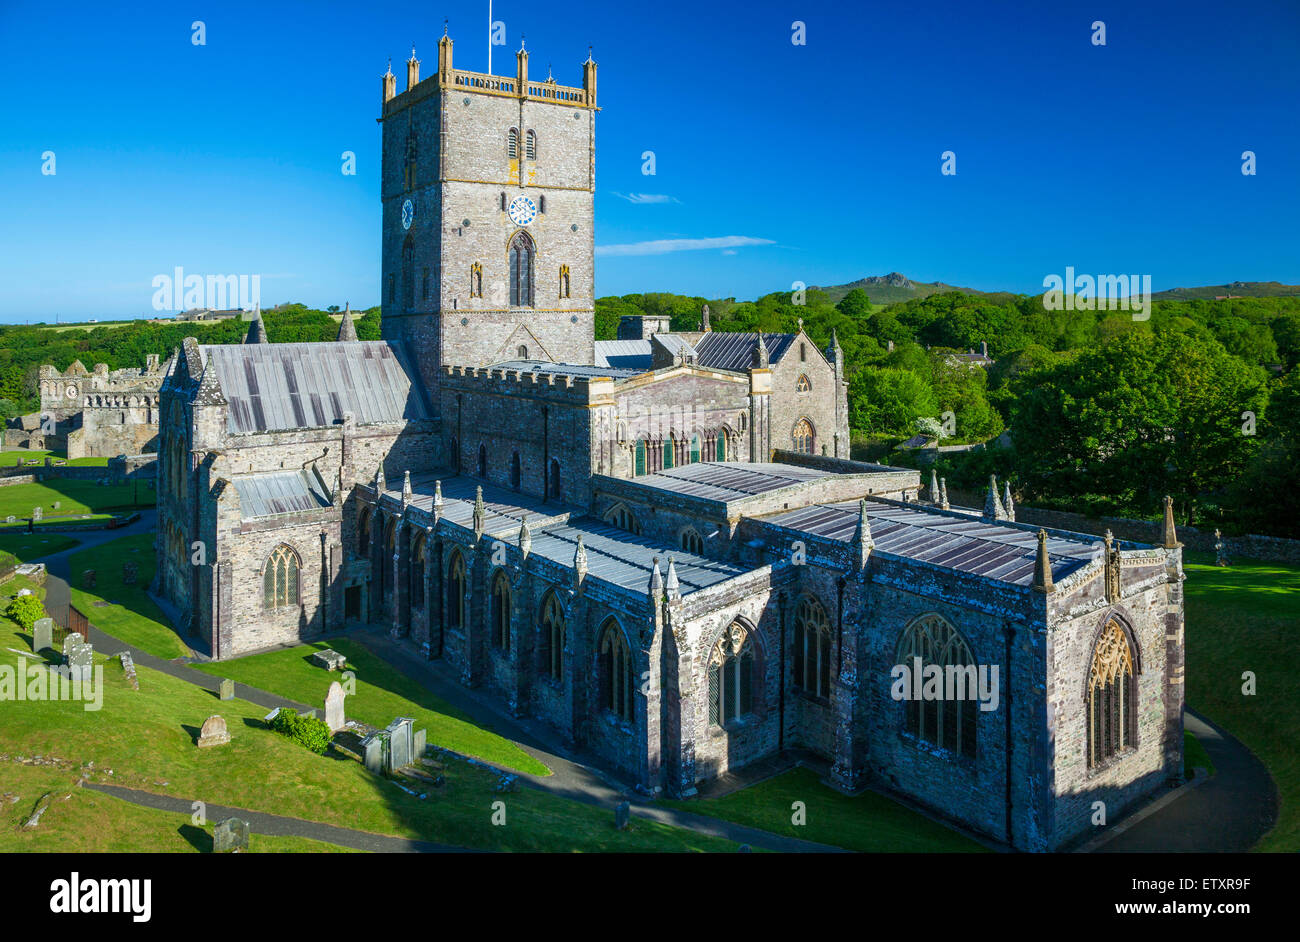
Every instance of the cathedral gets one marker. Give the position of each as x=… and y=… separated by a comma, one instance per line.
x=657, y=546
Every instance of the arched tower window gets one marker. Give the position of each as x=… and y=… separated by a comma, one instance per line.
x=521, y=270
x=812, y=648
x=512, y=144
x=499, y=629
x=476, y=280
x=409, y=170
x=556, y=491
x=550, y=649
x=456, y=591
x=530, y=145
x=1112, y=696
x=522, y=352
x=948, y=722
x=564, y=281
x=617, y=676
x=731, y=676
x=482, y=461
x=803, y=439
x=408, y=273
x=363, y=533
x=280, y=579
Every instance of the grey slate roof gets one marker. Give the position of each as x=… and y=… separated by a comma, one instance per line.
x=728, y=481
x=723, y=350
x=967, y=544
x=562, y=369
x=624, y=354
x=310, y=385
x=279, y=492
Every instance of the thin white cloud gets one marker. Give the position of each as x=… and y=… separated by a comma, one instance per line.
x=664, y=246
x=643, y=198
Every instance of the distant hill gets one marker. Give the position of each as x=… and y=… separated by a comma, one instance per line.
x=894, y=287
x=1238, y=289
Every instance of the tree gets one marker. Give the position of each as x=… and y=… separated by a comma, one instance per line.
x=889, y=400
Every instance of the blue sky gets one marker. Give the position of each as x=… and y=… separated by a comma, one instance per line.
x=822, y=161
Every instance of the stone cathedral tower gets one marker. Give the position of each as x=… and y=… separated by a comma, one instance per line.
x=487, y=187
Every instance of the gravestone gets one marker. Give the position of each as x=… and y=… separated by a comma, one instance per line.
x=227, y=689
x=622, y=815
x=130, y=572
x=400, y=743
x=128, y=668
x=270, y=717
x=37, y=513
x=230, y=836
x=419, y=741
x=88, y=579
x=214, y=732
x=73, y=639
x=330, y=660
x=11, y=519
x=334, y=707
x=56, y=505
x=81, y=662
x=374, y=751
x=42, y=634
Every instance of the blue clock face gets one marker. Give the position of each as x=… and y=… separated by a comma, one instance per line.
x=408, y=214
x=522, y=211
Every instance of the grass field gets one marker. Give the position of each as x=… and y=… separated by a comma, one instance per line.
x=146, y=739
x=132, y=617
x=1246, y=617
x=32, y=546
x=868, y=822
x=73, y=498
x=12, y=457
x=382, y=694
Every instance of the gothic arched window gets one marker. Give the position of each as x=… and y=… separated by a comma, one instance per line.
x=512, y=144
x=803, y=438
x=499, y=629
x=556, y=492
x=530, y=145
x=564, y=281
x=456, y=591
x=280, y=579
x=948, y=721
x=722, y=444
x=622, y=518
x=521, y=270
x=691, y=541
x=812, y=648
x=731, y=676
x=639, y=467
x=482, y=460
x=617, y=677
x=1112, y=696
x=476, y=280
x=804, y=384
x=522, y=352
x=363, y=533
x=417, y=572
x=550, y=650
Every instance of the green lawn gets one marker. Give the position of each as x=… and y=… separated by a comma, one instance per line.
x=1246, y=617
x=133, y=617
x=29, y=547
x=145, y=738
x=82, y=821
x=12, y=457
x=382, y=694
x=73, y=497
x=869, y=822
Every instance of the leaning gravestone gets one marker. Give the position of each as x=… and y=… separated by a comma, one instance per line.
x=130, y=572
x=622, y=815
x=88, y=579
x=42, y=634
x=330, y=660
x=400, y=743
x=128, y=668
x=227, y=689
x=73, y=639
x=37, y=513
x=230, y=836
x=81, y=662
x=214, y=732
x=334, y=707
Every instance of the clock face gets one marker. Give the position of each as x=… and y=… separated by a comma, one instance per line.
x=71, y=392
x=522, y=211
x=408, y=214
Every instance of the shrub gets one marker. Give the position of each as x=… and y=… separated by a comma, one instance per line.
x=307, y=731
x=25, y=609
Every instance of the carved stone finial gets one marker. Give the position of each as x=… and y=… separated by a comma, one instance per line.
x=1042, y=566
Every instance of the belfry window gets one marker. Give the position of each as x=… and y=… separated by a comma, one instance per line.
x=512, y=144
x=530, y=145
x=521, y=270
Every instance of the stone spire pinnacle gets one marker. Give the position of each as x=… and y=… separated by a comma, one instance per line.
x=704, y=319
x=1007, y=505
x=406, y=488
x=256, y=330
x=437, y=501
x=347, y=330
x=934, y=487
x=479, y=511
x=943, y=494
x=672, y=587
x=862, y=535
x=380, y=485
x=993, y=509
x=580, y=560
x=1170, y=535
x=656, y=587
x=760, y=353
x=1042, y=566
x=525, y=537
